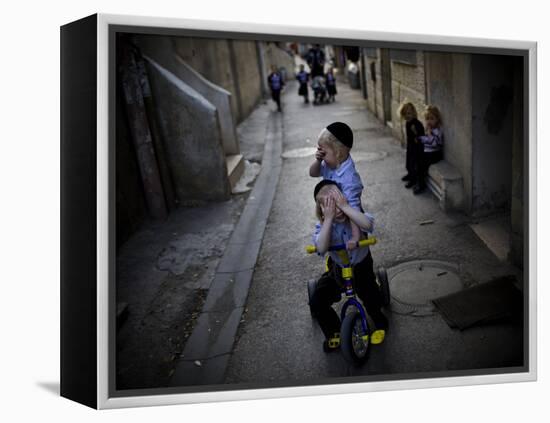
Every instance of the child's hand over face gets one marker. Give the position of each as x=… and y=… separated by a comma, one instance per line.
x=339, y=198
x=328, y=207
x=320, y=154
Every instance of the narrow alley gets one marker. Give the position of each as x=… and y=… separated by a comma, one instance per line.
x=215, y=208
x=278, y=341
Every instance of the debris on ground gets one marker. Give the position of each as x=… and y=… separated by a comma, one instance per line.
x=426, y=222
x=251, y=170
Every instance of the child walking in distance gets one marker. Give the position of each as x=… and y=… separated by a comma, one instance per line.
x=331, y=85
x=414, y=129
x=335, y=216
x=333, y=162
x=432, y=146
x=303, y=78
x=276, y=84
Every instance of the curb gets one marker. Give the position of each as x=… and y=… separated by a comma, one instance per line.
x=212, y=340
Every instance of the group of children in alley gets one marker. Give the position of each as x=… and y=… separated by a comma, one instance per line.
x=342, y=219
x=323, y=86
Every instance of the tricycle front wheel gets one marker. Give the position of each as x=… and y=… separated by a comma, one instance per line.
x=354, y=340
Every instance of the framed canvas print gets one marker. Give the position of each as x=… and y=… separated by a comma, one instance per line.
x=254, y=211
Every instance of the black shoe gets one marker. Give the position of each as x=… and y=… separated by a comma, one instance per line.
x=419, y=189
x=407, y=177
x=380, y=321
x=410, y=184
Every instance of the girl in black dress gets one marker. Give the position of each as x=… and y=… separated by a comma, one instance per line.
x=331, y=85
x=414, y=130
x=303, y=78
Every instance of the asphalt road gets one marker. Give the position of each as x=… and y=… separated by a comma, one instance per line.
x=278, y=343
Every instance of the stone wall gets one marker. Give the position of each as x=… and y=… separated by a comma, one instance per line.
x=389, y=82
x=407, y=83
x=236, y=66
x=374, y=85
x=247, y=77
x=273, y=55
x=449, y=87
x=492, y=133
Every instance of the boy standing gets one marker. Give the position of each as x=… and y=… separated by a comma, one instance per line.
x=276, y=84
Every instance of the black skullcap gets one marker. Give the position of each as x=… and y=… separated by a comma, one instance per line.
x=320, y=185
x=342, y=132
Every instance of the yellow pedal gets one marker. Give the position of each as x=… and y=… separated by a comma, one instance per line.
x=378, y=336
x=347, y=272
x=334, y=342
x=365, y=338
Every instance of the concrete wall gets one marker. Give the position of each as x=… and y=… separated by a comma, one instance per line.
x=219, y=97
x=375, y=86
x=449, y=87
x=212, y=59
x=407, y=82
x=247, y=76
x=131, y=209
x=161, y=50
x=190, y=132
x=492, y=133
x=273, y=55
x=233, y=65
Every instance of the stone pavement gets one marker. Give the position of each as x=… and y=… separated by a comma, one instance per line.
x=248, y=305
x=207, y=352
x=181, y=277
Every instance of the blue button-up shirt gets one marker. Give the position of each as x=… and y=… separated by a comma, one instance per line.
x=347, y=178
x=340, y=234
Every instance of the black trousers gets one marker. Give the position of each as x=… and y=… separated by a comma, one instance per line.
x=424, y=161
x=329, y=291
x=414, y=150
x=276, y=96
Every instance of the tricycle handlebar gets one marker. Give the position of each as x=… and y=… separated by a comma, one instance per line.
x=310, y=249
